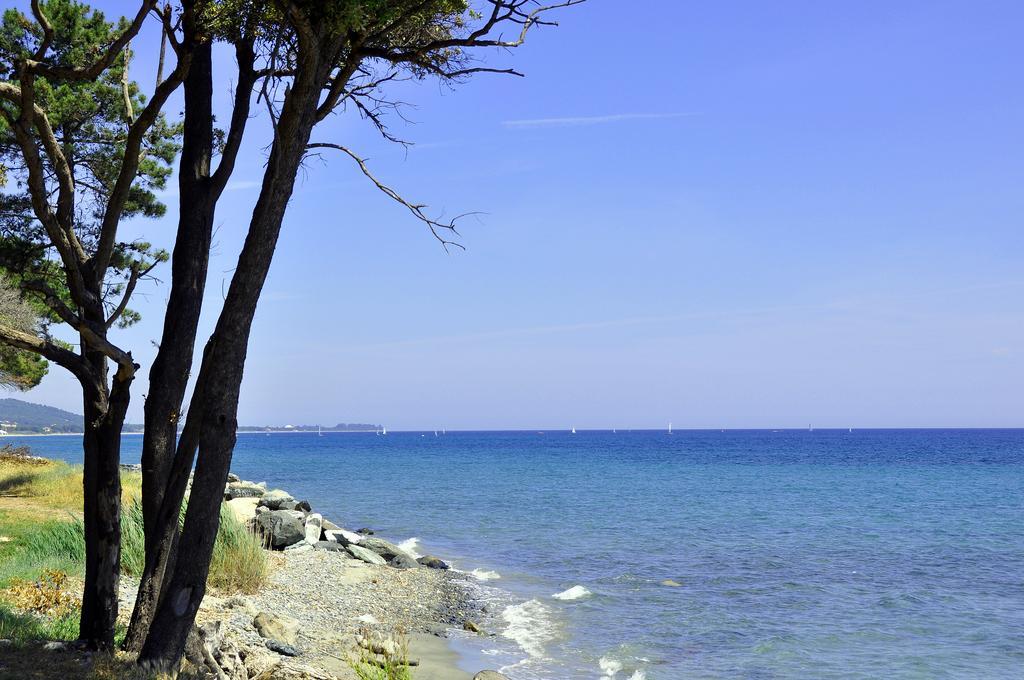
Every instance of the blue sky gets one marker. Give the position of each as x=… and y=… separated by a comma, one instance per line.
x=736, y=214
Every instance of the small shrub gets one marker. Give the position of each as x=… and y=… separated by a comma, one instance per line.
x=47, y=596
x=382, y=659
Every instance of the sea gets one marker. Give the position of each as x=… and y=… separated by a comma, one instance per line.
x=698, y=554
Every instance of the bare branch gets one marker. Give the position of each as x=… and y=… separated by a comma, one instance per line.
x=133, y=279
x=417, y=209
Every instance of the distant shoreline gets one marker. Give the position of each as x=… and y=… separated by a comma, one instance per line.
x=79, y=434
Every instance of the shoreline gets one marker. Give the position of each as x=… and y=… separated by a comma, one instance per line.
x=343, y=593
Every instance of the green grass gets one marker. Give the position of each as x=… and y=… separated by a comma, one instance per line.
x=23, y=628
x=41, y=529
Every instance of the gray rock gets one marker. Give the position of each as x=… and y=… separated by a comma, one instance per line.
x=383, y=548
x=54, y=646
x=314, y=525
x=281, y=648
x=232, y=477
x=365, y=555
x=490, y=675
x=432, y=562
x=277, y=627
x=403, y=561
x=244, y=490
x=277, y=500
x=280, y=528
x=330, y=526
x=436, y=629
x=366, y=531
x=330, y=546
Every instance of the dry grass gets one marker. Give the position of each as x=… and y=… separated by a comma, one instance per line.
x=53, y=483
x=41, y=532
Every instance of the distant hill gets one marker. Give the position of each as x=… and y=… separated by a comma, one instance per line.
x=27, y=418
x=19, y=417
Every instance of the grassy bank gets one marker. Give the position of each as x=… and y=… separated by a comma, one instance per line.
x=42, y=547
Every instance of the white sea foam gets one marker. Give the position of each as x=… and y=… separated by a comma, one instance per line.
x=574, y=593
x=484, y=574
x=611, y=667
x=530, y=626
x=409, y=546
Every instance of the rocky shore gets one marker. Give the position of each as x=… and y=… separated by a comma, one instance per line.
x=335, y=596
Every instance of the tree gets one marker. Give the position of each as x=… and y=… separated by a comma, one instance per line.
x=315, y=58
x=85, y=150
x=306, y=59
x=19, y=370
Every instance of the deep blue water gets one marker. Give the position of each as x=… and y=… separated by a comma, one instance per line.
x=825, y=554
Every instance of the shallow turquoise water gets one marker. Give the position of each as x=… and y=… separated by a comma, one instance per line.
x=826, y=554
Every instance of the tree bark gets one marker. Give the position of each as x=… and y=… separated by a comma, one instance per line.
x=168, y=377
x=104, y=417
x=215, y=403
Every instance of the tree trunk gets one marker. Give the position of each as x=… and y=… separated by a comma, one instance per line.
x=215, y=403
x=168, y=377
x=104, y=418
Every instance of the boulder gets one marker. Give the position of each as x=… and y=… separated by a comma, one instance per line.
x=383, y=548
x=671, y=584
x=314, y=525
x=432, y=562
x=403, y=561
x=244, y=509
x=366, y=531
x=471, y=627
x=232, y=477
x=365, y=555
x=330, y=546
x=281, y=648
x=280, y=528
x=277, y=627
x=490, y=675
x=342, y=536
x=329, y=525
x=277, y=500
x=244, y=490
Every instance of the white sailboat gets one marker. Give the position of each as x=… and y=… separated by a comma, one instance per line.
x=319, y=433
x=573, y=431
x=670, y=427
x=383, y=430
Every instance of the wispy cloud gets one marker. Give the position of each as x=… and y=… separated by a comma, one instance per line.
x=576, y=121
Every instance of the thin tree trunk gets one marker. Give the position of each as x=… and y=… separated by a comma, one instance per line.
x=217, y=391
